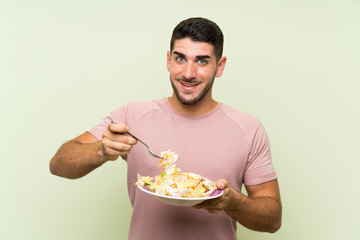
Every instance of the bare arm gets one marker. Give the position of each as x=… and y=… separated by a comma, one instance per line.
x=83, y=154
x=260, y=211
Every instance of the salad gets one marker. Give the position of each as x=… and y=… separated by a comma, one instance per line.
x=173, y=182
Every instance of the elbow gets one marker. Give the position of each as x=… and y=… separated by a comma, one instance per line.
x=54, y=169
x=275, y=227
x=277, y=220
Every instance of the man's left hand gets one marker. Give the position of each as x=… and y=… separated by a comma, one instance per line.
x=218, y=204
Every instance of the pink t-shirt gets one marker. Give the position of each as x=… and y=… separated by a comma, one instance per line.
x=222, y=144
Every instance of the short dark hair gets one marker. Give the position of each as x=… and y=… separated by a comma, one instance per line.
x=201, y=30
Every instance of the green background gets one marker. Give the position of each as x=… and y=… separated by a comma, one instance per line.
x=64, y=65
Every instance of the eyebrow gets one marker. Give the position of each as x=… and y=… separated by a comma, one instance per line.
x=197, y=57
x=179, y=54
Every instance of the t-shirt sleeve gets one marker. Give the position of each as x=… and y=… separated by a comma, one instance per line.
x=117, y=115
x=259, y=168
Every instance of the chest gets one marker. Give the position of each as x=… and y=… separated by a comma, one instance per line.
x=214, y=149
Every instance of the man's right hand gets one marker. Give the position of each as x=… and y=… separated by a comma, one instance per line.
x=116, y=142
x=83, y=154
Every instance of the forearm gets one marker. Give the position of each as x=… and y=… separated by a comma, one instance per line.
x=75, y=159
x=260, y=214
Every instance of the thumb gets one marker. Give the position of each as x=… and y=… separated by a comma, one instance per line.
x=222, y=184
x=117, y=127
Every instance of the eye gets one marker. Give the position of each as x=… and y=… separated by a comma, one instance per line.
x=202, y=61
x=180, y=59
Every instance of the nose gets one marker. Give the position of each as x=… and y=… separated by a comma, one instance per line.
x=190, y=71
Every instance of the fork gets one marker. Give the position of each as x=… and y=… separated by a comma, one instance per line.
x=148, y=148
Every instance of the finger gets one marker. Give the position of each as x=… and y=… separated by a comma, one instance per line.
x=112, y=150
x=117, y=127
x=124, y=139
x=118, y=137
x=211, y=208
x=112, y=154
x=121, y=143
x=131, y=140
x=121, y=128
x=222, y=184
x=214, y=211
x=208, y=204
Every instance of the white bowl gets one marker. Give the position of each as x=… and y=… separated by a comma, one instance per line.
x=181, y=201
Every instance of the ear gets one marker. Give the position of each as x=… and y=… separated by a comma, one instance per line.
x=168, y=59
x=220, y=66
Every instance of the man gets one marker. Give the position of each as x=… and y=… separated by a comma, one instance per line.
x=212, y=139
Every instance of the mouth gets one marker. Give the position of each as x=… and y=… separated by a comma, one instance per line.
x=188, y=84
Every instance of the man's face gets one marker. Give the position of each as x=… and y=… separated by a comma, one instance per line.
x=193, y=68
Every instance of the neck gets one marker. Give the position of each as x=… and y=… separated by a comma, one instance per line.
x=202, y=107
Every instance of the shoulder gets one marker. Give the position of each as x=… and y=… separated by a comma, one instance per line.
x=250, y=126
x=241, y=119
x=129, y=114
x=142, y=106
x=133, y=111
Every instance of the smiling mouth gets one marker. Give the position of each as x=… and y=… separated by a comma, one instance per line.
x=188, y=84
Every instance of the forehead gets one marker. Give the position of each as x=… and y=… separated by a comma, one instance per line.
x=193, y=48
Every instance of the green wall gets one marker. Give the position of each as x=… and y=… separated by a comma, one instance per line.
x=66, y=64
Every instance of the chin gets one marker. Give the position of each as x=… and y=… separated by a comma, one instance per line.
x=189, y=101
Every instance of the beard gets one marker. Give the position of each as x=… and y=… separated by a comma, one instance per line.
x=196, y=99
